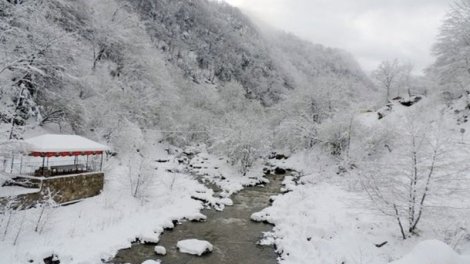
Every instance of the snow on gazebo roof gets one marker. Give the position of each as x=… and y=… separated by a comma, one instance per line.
x=50, y=143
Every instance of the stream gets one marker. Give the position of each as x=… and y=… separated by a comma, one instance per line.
x=231, y=231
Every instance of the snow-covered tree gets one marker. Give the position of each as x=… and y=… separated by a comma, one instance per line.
x=242, y=135
x=422, y=165
x=452, y=67
x=389, y=75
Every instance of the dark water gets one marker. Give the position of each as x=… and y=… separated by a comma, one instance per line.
x=232, y=233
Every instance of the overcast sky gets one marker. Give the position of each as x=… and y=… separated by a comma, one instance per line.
x=372, y=30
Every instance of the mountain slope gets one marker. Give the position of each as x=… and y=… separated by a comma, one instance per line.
x=198, y=68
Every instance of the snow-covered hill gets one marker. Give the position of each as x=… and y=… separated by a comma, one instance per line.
x=153, y=62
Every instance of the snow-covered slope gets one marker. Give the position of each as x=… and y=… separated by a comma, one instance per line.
x=330, y=214
x=433, y=251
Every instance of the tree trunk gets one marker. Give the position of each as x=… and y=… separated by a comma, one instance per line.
x=402, y=231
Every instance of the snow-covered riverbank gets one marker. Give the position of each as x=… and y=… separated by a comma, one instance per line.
x=326, y=219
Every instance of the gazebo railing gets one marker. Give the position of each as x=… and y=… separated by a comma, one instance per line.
x=51, y=168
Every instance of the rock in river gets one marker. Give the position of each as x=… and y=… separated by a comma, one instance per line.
x=194, y=247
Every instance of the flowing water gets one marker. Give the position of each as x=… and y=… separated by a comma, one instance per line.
x=231, y=231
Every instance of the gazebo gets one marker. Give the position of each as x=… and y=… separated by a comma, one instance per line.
x=68, y=167
x=56, y=151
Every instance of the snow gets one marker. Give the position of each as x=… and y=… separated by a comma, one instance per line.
x=149, y=237
x=217, y=170
x=62, y=143
x=433, y=252
x=194, y=246
x=288, y=184
x=7, y=147
x=317, y=224
x=6, y=191
x=327, y=218
x=159, y=250
x=150, y=261
x=198, y=217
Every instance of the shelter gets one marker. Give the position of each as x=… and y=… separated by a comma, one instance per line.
x=52, y=155
x=58, y=147
x=68, y=167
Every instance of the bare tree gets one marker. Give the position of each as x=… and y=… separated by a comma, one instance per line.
x=422, y=165
x=7, y=212
x=51, y=114
x=407, y=78
x=46, y=205
x=388, y=74
x=141, y=178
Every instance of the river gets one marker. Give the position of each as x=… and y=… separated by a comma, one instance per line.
x=231, y=231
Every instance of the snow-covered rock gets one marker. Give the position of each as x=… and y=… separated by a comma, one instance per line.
x=159, y=250
x=194, y=246
x=149, y=238
x=226, y=201
x=197, y=217
x=288, y=184
x=261, y=217
x=151, y=261
x=433, y=251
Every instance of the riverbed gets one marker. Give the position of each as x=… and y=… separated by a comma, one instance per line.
x=234, y=236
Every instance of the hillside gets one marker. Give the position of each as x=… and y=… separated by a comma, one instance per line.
x=156, y=63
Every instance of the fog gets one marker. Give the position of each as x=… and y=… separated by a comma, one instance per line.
x=372, y=30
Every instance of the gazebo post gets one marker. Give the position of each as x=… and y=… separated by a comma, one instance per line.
x=101, y=163
x=86, y=165
x=43, y=164
x=75, y=162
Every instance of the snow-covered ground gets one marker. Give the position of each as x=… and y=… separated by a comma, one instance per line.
x=328, y=217
x=15, y=190
x=96, y=228
x=433, y=251
x=325, y=219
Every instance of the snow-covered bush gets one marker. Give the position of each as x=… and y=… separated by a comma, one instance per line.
x=335, y=136
x=127, y=138
x=243, y=141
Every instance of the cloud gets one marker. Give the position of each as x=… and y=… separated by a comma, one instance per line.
x=372, y=30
